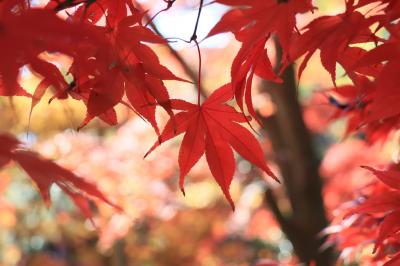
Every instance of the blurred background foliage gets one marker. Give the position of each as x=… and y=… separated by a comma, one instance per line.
x=159, y=226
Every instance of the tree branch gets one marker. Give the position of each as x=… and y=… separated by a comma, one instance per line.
x=272, y=203
x=299, y=167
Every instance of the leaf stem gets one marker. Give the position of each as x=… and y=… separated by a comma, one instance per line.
x=199, y=74
x=194, y=39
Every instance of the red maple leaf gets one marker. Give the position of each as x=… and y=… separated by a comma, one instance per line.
x=124, y=66
x=253, y=23
x=381, y=209
x=332, y=35
x=256, y=20
x=45, y=173
x=105, y=59
x=213, y=128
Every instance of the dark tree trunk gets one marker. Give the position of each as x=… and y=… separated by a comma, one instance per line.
x=299, y=167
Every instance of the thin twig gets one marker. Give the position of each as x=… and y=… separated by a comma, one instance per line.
x=186, y=67
x=169, y=5
x=194, y=35
x=271, y=201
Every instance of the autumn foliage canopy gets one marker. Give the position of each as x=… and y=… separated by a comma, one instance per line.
x=112, y=62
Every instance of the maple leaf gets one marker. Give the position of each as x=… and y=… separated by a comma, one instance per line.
x=130, y=36
x=247, y=63
x=381, y=208
x=52, y=77
x=390, y=8
x=385, y=98
x=332, y=35
x=92, y=11
x=123, y=66
x=214, y=129
x=102, y=62
x=389, y=226
x=356, y=54
x=389, y=51
x=253, y=24
x=256, y=20
x=45, y=173
x=365, y=106
x=26, y=33
x=375, y=101
x=390, y=177
x=7, y=144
